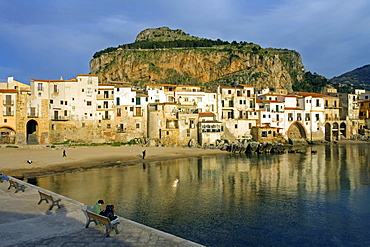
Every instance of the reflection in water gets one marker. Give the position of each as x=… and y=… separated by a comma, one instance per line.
x=316, y=198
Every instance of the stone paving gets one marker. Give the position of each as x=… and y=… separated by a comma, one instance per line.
x=25, y=223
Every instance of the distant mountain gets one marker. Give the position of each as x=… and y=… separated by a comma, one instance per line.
x=356, y=79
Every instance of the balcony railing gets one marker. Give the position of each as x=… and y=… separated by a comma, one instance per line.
x=105, y=97
x=8, y=113
x=60, y=118
x=8, y=102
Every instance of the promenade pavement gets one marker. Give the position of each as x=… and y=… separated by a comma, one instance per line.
x=25, y=223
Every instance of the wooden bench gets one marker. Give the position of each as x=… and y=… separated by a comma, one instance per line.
x=47, y=198
x=17, y=186
x=92, y=217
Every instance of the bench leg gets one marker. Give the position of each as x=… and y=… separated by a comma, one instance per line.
x=43, y=199
x=108, y=229
x=11, y=186
x=115, y=227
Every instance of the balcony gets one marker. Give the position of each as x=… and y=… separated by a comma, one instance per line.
x=8, y=113
x=8, y=102
x=105, y=97
x=60, y=118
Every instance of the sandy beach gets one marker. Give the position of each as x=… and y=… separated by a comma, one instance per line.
x=13, y=161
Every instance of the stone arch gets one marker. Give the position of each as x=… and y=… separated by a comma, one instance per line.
x=327, y=132
x=32, y=132
x=343, y=129
x=296, y=133
x=7, y=135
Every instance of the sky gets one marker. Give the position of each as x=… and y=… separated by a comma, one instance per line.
x=50, y=39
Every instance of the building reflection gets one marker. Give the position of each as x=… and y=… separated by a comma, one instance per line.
x=228, y=180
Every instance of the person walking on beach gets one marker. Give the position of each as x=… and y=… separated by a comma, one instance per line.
x=98, y=207
x=144, y=153
x=64, y=153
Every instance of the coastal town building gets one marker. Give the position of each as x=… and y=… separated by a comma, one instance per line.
x=83, y=110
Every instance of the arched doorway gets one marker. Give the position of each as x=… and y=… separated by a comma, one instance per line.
x=32, y=131
x=7, y=135
x=343, y=130
x=297, y=133
x=327, y=132
x=335, y=131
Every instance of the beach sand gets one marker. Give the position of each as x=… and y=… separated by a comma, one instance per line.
x=13, y=161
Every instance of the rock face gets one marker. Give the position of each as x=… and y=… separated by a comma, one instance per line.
x=227, y=65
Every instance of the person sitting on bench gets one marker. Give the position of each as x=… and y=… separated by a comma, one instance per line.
x=109, y=213
x=98, y=207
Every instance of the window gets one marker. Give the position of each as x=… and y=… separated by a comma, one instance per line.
x=137, y=125
x=33, y=111
x=55, y=88
x=39, y=86
x=317, y=102
x=108, y=126
x=83, y=125
x=231, y=103
x=299, y=116
x=51, y=101
x=106, y=94
x=65, y=113
x=236, y=126
x=52, y=127
x=88, y=103
x=118, y=112
x=118, y=101
x=307, y=117
x=61, y=102
x=191, y=123
x=290, y=116
x=317, y=117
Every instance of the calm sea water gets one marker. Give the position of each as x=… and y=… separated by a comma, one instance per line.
x=303, y=199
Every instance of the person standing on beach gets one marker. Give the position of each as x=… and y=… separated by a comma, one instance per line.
x=64, y=153
x=144, y=153
x=98, y=207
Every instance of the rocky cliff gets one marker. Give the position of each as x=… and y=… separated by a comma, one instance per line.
x=215, y=63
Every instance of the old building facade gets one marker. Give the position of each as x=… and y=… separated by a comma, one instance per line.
x=83, y=110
